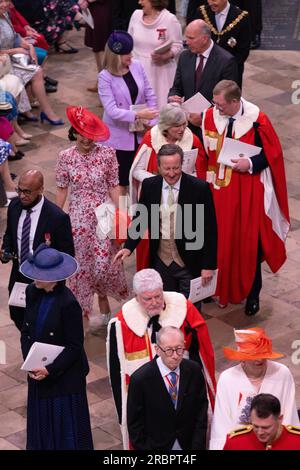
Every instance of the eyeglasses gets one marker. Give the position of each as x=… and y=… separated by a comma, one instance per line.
x=169, y=351
x=26, y=192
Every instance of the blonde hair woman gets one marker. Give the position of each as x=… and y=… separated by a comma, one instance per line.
x=122, y=85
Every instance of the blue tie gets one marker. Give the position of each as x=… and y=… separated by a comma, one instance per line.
x=173, y=387
x=25, y=237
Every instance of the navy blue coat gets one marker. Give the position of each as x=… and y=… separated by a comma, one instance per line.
x=62, y=327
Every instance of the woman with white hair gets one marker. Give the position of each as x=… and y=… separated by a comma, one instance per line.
x=170, y=129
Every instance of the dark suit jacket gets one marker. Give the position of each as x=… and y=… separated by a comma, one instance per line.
x=52, y=220
x=192, y=8
x=32, y=10
x=220, y=66
x=153, y=423
x=192, y=192
x=241, y=32
x=63, y=327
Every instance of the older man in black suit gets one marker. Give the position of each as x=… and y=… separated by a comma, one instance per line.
x=179, y=213
x=201, y=67
x=167, y=404
x=31, y=220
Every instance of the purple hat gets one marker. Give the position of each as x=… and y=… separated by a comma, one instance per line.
x=120, y=42
x=49, y=265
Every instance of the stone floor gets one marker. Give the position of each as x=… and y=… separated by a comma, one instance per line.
x=269, y=78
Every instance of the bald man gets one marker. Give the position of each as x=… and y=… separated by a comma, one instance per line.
x=217, y=64
x=230, y=29
x=45, y=222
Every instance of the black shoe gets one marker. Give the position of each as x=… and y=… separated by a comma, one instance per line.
x=13, y=176
x=50, y=88
x=252, y=307
x=17, y=156
x=51, y=81
x=65, y=48
x=208, y=300
x=255, y=44
x=23, y=117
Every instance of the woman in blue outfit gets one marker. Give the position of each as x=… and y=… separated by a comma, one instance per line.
x=57, y=414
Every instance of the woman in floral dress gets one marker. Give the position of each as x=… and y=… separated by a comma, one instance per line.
x=91, y=172
x=51, y=18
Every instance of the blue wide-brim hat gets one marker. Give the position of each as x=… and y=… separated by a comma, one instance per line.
x=49, y=265
x=120, y=42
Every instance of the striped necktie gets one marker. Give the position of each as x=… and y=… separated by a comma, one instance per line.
x=172, y=376
x=25, y=237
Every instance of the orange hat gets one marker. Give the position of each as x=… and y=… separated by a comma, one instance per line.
x=252, y=345
x=87, y=123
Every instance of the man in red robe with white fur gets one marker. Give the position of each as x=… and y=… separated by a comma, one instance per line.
x=132, y=335
x=250, y=195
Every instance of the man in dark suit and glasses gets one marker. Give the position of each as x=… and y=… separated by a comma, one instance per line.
x=31, y=220
x=200, y=68
x=187, y=249
x=167, y=403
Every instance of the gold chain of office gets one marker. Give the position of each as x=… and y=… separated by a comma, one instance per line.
x=224, y=31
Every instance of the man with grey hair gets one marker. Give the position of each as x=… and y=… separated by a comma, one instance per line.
x=132, y=336
x=176, y=420
x=201, y=67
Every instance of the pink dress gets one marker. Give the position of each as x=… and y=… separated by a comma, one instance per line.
x=90, y=177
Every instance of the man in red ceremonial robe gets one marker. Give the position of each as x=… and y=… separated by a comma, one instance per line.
x=131, y=337
x=250, y=195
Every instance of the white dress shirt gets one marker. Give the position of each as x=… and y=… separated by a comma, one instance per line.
x=35, y=215
x=165, y=191
x=221, y=17
x=205, y=54
x=165, y=371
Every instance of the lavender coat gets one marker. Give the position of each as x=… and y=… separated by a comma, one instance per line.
x=116, y=100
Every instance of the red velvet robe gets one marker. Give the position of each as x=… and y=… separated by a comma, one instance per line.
x=241, y=217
